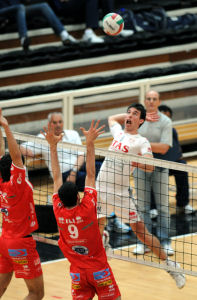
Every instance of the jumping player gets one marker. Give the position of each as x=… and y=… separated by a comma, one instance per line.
x=80, y=239
x=113, y=181
x=17, y=248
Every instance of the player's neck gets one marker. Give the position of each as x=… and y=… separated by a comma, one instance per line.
x=131, y=131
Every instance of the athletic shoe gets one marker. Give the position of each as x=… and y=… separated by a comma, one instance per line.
x=178, y=277
x=70, y=40
x=25, y=43
x=115, y=224
x=168, y=249
x=126, y=33
x=153, y=213
x=141, y=249
x=90, y=37
x=105, y=238
x=188, y=209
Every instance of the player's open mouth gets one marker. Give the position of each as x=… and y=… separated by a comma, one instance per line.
x=128, y=122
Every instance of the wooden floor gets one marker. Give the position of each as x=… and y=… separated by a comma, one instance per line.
x=135, y=282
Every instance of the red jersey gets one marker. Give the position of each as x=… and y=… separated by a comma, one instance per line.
x=17, y=205
x=80, y=238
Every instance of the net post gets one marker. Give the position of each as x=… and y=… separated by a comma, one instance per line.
x=68, y=111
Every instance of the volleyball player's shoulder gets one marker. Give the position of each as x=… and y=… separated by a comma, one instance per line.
x=142, y=139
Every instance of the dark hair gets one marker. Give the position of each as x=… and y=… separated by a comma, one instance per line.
x=68, y=194
x=165, y=108
x=140, y=108
x=5, y=165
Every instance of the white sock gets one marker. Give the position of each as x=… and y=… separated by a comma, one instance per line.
x=22, y=40
x=64, y=35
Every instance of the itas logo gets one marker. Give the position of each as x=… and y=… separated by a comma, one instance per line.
x=17, y=252
x=101, y=274
x=117, y=146
x=75, y=276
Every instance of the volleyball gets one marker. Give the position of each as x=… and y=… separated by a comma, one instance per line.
x=113, y=24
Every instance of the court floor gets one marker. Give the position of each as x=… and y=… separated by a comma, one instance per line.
x=135, y=282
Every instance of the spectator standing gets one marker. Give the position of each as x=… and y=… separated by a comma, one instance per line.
x=80, y=239
x=158, y=130
x=17, y=248
x=181, y=178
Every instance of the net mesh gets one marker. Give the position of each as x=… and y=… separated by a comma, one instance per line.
x=182, y=227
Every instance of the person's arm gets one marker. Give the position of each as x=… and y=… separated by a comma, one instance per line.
x=159, y=148
x=91, y=134
x=119, y=118
x=53, y=140
x=144, y=167
x=165, y=143
x=78, y=164
x=2, y=144
x=26, y=152
x=12, y=144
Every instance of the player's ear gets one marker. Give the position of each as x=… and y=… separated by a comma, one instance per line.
x=78, y=198
x=141, y=121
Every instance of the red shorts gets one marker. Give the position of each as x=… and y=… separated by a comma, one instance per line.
x=20, y=255
x=88, y=282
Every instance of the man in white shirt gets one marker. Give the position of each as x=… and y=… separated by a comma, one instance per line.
x=113, y=181
x=70, y=161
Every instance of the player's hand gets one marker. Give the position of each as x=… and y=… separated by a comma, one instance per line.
x=3, y=121
x=93, y=132
x=49, y=135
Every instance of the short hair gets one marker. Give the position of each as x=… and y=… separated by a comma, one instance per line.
x=5, y=166
x=140, y=108
x=165, y=108
x=68, y=194
x=149, y=91
x=54, y=113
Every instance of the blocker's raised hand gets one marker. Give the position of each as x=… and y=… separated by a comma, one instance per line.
x=93, y=132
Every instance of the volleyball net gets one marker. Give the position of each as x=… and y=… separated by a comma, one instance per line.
x=122, y=185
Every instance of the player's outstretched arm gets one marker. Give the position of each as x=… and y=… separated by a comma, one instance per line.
x=91, y=134
x=12, y=144
x=53, y=140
